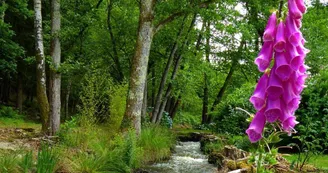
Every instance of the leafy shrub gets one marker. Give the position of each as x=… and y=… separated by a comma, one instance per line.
x=166, y=120
x=186, y=118
x=227, y=118
x=95, y=95
x=117, y=106
x=313, y=114
x=9, y=112
x=242, y=142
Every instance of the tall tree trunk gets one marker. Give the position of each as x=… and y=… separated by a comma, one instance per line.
x=55, y=80
x=166, y=72
x=19, y=100
x=139, y=65
x=144, y=104
x=175, y=71
x=205, y=94
x=175, y=108
x=222, y=90
x=120, y=75
x=228, y=78
x=67, y=98
x=153, y=82
x=169, y=89
x=205, y=100
x=41, y=67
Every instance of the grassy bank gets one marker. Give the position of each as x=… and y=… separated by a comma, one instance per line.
x=89, y=148
x=319, y=161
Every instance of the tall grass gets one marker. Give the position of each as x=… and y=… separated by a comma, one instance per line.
x=26, y=163
x=47, y=159
x=9, y=162
x=156, y=142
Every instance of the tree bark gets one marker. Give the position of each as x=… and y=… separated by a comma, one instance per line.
x=55, y=80
x=153, y=83
x=223, y=89
x=120, y=75
x=175, y=108
x=205, y=100
x=144, y=104
x=165, y=73
x=174, y=73
x=205, y=94
x=139, y=65
x=19, y=101
x=228, y=78
x=41, y=67
x=67, y=98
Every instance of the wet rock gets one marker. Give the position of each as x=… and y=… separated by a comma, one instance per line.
x=140, y=171
x=216, y=158
x=193, y=136
x=206, y=139
x=234, y=153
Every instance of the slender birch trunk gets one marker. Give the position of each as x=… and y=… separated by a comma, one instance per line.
x=41, y=67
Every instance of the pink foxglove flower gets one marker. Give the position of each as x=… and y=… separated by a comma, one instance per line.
x=280, y=41
x=283, y=70
x=293, y=10
x=277, y=95
x=293, y=34
x=256, y=127
x=300, y=5
x=273, y=111
x=264, y=58
x=270, y=29
x=259, y=96
x=274, y=89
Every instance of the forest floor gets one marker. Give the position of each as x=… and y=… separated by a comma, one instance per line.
x=17, y=133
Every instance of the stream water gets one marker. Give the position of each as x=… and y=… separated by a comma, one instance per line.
x=187, y=159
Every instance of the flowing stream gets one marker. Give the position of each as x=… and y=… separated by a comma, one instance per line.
x=187, y=159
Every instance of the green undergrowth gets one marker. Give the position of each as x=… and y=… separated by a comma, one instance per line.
x=18, y=123
x=91, y=148
x=319, y=161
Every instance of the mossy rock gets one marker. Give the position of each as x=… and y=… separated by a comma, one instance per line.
x=230, y=164
x=246, y=167
x=216, y=158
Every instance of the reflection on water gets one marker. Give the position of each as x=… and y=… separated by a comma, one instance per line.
x=187, y=159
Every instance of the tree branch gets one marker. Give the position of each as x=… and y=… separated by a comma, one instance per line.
x=172, y=17
x=168, y=20
x=98, y=4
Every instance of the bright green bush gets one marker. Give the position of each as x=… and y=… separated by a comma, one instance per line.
x=187, y=118
x=227, y=118
x=117, y=106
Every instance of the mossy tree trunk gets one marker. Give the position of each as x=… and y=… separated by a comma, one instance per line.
x=139, y=65
x=40, y=67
